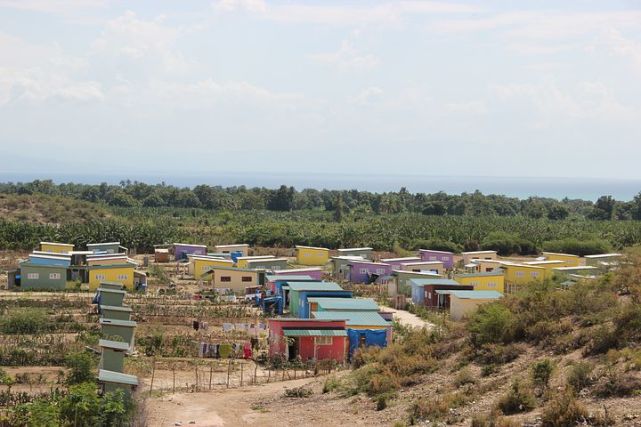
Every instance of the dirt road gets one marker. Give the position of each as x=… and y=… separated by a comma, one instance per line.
x=408, y=319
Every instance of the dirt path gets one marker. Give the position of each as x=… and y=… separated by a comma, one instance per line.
x=408, y=319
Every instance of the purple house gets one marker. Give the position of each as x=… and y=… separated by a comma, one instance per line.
x=181, y=250
x=447, y=258
x=367, y=271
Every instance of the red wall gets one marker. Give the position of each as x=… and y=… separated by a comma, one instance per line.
x=277, y=345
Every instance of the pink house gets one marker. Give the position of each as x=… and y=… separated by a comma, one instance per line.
x=447, y=258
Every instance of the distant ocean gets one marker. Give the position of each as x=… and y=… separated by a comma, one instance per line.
x=558, y=188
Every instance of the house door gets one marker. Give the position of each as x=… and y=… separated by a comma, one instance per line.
x=292, y=349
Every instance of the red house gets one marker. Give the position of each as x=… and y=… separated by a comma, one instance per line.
x=308, y=338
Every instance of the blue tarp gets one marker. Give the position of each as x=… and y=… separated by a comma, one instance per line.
x=377, y=337
x=272, y=303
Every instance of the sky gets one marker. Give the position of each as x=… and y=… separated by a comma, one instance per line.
x=492, y=88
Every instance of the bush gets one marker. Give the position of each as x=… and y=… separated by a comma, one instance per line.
x=331, y=384
x=614, y=383
x=491, y=324
x=298, y=392
x=578, y=247
x=603, y=339
x=564, y=411
x=504, y=243
x=579, y=375
x=464, y=377
x=518, y=399
x=27, y=321
x=541, y=372
x=80, y=368
x=496, y=354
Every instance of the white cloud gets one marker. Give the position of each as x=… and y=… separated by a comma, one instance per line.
x=368, y=96
x=468, y=107
x=347, y=58
x=252, y=6
x=53, y=6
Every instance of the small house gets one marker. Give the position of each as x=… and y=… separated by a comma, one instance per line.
x=161, y=255
x=309, y=255
x=113, y=355
x=401, y=285
x=340, y=265
x=365, y=253
x=241, y=262
x=396, y=263
x=300, y=291
x=111, y=381
x=604, y=262
x=464, y=303
x=424, y=291
x=570, y=260
x=107, y=248
x=490, y=281
x=447, y=258
x=548, y=264
x=483, y=265
x=364, y=328
x=521, y=274
x=42, y=276
x=436, y=267
x=118, y=330
x=341, y=304
x=181, y=250
x=240, y=248
x=200, y=265
x=275, y=282
x=367, y=271
x=236, y=279
x=50, y=259
x=59, y=248
x=313, y=272
x=307, y=339
x=562, y=273
x=121, y=273
x=267, y=264
x=468, y=257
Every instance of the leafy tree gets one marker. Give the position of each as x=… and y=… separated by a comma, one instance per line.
x=558, y=212
x=281, y=199
x=81, y=406
x=604, y=208
x=80, y=366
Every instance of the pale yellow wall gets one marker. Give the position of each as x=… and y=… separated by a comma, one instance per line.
x=124, y=275
x=312, y=256
x=484, y=283
x=59, y=249
x=467, y=258
x=462, y=307
x=236, y=284
x=569, y=260
x=202, y=266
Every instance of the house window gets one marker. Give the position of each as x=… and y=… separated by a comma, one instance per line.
x=33, y=276
x=100, y=277
x=364, y=271
x=491, y=285
x=275, y=267
x=432, y=258
x=445, y=258
x=487, y=257
x=206, y=267
x=417, y=270
x=123, y=277
x=225, y=278
x=535, y=274
x=54, y=276
x=380, y=271
x=488, y=269
x=474, y=283
x=519, y=274
x=323, y=340
x=247, y=279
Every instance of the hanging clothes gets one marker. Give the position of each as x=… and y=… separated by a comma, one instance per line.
x=195, y=324
x=247, y=351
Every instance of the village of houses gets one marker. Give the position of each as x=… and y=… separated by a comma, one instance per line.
x=308, y=305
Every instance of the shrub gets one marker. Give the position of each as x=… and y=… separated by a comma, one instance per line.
x=435, y=244
x=603, y=339
x=496, y=354
x=579, y=375
x=491, y=324
x=564, y=411
x=298, y=392
x=488, y=370
x=541, y=372
x=331, y=384
x=504, y=243
x=25, y=321
x=519, y=398
x=80, y=368
x=613, y=383
x=464, y=377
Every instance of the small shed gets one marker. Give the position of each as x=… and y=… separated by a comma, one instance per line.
x=307, y=338
x=241, y=261
x=570, y=260
x=111, y=381
x=424, y=291
x=401, y=284
x=436, y=267
x=603, y=261
x=341, y=304
x=300, y=291
x=313, y=272
x=200, y=265
x=447, y=258
x=161, y=255
x=340, y=265
x=243, y=248
x=236, y=279
x=396, y=263
x=41, y=277
x=118, y=330
x=107, y=248
x=275, y=282
x=310, y=255
x=268, y=264
x=490, y=281
x=464, y=303
x=367, y=271
x=59, y=248
x=468, y=257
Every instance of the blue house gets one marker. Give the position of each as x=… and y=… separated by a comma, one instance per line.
x=423, y=287
x=300, y=291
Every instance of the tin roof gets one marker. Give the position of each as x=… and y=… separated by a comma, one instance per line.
x=56, y=244
x=580, y=267
x=355, y=304
x=315, y=332
x=311, y=247
x=314, y=286
x=416, y=273
x=353, y=318
x=233, y=245
x=435, y=281
x=478, y=252
x=297, y=270
x=190, y=244
x=285, y=278
x=116, y=345
x=560, y=253
x=472, y=294
x=483, y=273
x=435, y=251
x=353, y=249
x=103, y=244
x=116, y=377
x=407, y=258
x=596, y=256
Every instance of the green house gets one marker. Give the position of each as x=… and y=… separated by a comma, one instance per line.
x=118, y=330
x=113, y=355
x=111, y=381
x=268, y=264
x=37, y=277
x=116, y=313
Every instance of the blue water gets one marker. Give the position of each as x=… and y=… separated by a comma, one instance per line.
x=559, y=188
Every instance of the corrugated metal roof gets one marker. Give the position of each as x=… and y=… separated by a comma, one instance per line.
x=314, y=286
x=315, y=333
x=284, y=277
x=480, y=274
x=117, y=377
x=116, y=345
x=435, y=281
x=355, y=304
x=353, y=318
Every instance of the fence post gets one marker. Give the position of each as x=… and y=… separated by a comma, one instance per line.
x=211, y=371
x=241, y=373
x=153, y=373
x=228, y=369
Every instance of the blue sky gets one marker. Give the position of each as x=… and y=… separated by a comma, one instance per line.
x=528, y=88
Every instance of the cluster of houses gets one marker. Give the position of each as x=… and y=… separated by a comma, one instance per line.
x=117, y=331
x=59, y=266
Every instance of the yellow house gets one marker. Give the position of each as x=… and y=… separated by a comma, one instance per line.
x=488, y=281
x=59, y=248
x=121, y=273
x=549, y=264
x=465, y=303
x=569, y=259
x=469, y=257
x=241, y=261
x=236, y=279
x=200, y=265
x=521, y=274
x=308, y=255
